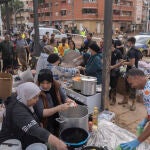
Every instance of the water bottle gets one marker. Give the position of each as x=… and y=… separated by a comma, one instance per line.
x=95, y=116
x=139, y=130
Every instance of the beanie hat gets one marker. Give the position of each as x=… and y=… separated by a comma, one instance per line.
x=45, y=75
x=53, y=58
x=94, y=47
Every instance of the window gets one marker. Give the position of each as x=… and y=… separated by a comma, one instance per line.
x=32, y=15
x=63, y=1
x=48, y=14
x=89, y=11
x=116, y=1
x=50, y=4
x=116, y=12
x=126, y=13
x=89, y=1
x=56, y=3
x=63, y=12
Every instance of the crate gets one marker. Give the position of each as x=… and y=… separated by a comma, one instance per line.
x=6, y=81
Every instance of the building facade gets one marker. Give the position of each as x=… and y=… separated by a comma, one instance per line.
x=22, y=15
x=88, y=14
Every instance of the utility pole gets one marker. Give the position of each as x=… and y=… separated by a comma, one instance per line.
x=1, y=24
x=36, y=28
x=7, y=16
x=107, y=53
x=147, y=24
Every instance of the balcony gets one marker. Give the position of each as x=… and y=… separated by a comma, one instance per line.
x=42, y=10
x=89, y=16
x=123, y=7
x=90, y=5
x=122, y=18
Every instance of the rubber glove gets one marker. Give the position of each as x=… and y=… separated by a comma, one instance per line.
x=130, y=145
x=143, y=123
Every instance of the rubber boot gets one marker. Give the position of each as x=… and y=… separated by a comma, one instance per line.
x=133, y=107
x=124, y=101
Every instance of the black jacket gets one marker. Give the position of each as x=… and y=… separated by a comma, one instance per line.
x=20, y=123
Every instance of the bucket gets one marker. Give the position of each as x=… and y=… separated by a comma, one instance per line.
x=12, y=144
x=74, y=117
x=37, y=146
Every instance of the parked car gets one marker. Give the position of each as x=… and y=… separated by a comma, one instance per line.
x=142, y=43
x=43, y=30
x=144, y=33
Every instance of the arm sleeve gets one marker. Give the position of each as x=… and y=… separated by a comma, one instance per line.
x=93, y=67
x=62, y=94
x=26, y=122
x=132, y=54
x=38, y=108
x=119, y=55
x=0, y=47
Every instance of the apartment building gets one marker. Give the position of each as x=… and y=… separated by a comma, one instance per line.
x=88, y=14
x=22, y=15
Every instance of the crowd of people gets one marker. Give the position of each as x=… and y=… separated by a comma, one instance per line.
x=31, y=111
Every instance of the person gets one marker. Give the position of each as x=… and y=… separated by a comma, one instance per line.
x=52, y=100
x=42, y=43
x=119, y=44
x=62, y=47
x=20, y=122
x=101, y=43
x=7, y=53
x=52, y=42
x=42, y=61
x=48, y=35
x=72, y=46
x=131, y=62
x=116, y=62
x=87, y=42
x=138, y=80
x=21, y=48
x=58, y=71
x=94, y=64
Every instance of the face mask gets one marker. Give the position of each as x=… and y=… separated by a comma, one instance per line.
x=44, y=89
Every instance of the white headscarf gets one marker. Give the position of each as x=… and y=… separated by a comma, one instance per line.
x=27, y=91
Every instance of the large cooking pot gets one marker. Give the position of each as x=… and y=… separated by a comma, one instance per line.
x=76, y=83
x=94, y=148
x=74, y=137
x=11, y=144
x=88, y=85
x=74, y=117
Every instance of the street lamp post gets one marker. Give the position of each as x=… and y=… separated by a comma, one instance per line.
x=36, y=28
x=107, y=53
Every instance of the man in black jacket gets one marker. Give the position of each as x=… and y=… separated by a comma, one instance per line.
x=6, y=53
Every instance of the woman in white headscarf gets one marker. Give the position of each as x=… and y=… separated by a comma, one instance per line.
x=20, y=121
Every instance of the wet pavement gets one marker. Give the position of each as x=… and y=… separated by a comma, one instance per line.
x=128, y=119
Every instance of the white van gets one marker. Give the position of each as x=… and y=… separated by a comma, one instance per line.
x=43, y=30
